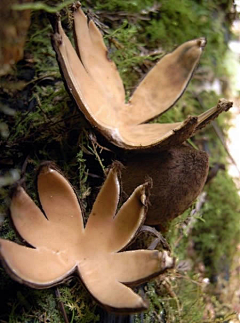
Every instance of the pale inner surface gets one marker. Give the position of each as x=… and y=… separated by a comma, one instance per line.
x=59, y=200
x=104, y=207
x=100, y=92
x=65, y=245
x=41, y=266
x=102, y=275
x=33, y=226
x=113, y=232
x=102, y=284
x=148, y=134
x=165, y=83
x=94, y=102
x=63, y=225
x=29, y=220
x=93, y=53
x=137, y=264
x=128, y=219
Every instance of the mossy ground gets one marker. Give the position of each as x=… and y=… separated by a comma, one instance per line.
x=41, y=122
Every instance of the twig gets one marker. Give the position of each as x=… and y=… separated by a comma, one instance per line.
x=57, y=293
x=221, y=137
x=24, y=166
x=192, y=217
x=160, y=238
x=219, y=133
x=170, y=291
x=93, y=149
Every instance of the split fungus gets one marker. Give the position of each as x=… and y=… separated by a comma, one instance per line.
x=93, y=80
x=60, y=245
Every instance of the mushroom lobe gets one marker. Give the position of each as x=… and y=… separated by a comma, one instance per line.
x=60, y=245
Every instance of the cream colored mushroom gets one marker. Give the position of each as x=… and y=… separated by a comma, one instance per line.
x=97, y=88
x=61, y=245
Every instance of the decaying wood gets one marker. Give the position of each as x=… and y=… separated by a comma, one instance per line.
x=13, y=31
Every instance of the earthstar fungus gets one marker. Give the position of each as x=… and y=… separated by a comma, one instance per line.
x=60, y=245
x=93, y=80
x=95, y=84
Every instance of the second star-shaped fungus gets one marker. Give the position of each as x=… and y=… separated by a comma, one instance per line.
x=93, y=80
x=61, y=245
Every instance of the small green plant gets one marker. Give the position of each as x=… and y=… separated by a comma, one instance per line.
x=78, y=303
x=216, y=237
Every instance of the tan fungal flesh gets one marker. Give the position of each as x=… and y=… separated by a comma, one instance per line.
x=31, y=225
x=114, y=292
x=166, y=82
x=120, y=229
x=38, y=267
x=94, y=103
x=134, y=259
x=60, y=244
x=93, y=53
x=97, y=88
x=147, y=135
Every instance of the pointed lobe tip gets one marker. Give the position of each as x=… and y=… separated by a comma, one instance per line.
x=202, y=42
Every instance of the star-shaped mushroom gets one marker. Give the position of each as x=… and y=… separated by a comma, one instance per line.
x=60, y=245
x=97, y=88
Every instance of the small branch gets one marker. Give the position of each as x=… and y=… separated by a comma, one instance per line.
x=24, y=167
x=222, y=139
x=160, y=238
x=57, y=293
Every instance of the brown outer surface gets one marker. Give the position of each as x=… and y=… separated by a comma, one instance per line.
x=178, y=176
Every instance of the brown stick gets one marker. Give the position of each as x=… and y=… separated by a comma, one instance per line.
x=58, y=295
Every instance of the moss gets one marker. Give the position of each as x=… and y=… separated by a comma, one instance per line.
x=127, y=55
x=45, y=125
x=78, y=303
x=217, y=235
x=128, y=5
x=24, y=308
x=170, y=301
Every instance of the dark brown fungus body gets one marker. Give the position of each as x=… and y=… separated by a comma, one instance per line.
x=178, y=176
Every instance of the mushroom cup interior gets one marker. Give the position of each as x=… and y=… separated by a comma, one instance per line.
x=59, y=244
x=93, y=80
